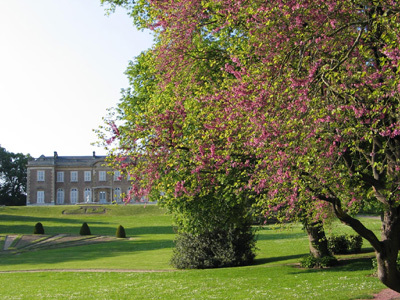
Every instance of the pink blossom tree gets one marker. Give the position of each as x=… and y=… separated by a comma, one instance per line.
x=300, y=97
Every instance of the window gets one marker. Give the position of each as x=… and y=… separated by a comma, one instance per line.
x=88, y=195
x=88, y=176
x=102, y=176
x=74, y=176
x=60, y=176
x=40, y=175
x=117, y=176
x=74, y=196
x=60, y=196
x=40, y=197
x=117, y=194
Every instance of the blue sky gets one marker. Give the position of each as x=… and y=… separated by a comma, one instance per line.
x=61, y=67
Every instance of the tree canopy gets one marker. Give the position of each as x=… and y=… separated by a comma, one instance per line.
x=298, y=99
x=13, y=174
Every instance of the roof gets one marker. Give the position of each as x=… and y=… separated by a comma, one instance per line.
x=56, y=160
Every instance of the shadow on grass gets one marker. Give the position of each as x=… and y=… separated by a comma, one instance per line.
x=367, y=250
x=345, y=265
x=265, y=235
x=71, y=229
x=151, y=230
x=51, y=229
x=261, y=261
x=14, y=218
x=71, y=226
x=68, y=225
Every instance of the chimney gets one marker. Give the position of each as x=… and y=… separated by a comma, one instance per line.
x=55, y=155
x=94, y=154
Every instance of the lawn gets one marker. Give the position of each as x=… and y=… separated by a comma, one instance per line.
x=274, y=275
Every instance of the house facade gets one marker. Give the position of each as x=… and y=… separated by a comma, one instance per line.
x=63, y=180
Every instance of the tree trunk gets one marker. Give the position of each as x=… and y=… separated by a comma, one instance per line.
x=317, y=238
x=387, y=250
x=386, y=256
x=387, y=269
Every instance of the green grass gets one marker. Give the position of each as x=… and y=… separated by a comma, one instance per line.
x=275, y=282
x=148, y=227
x=273, y=276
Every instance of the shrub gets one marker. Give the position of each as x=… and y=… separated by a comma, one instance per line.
x=354, y=243
x=85, y=230
x=342, y=244
x=213, y=249
x=38, y=228
x=337, y=244
x=310, y=262
x=328, y=261
x=120, y=232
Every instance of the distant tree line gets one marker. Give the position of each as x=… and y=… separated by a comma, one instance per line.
x=13, y=174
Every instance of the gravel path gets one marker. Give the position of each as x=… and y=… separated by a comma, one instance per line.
x=387, y=294
x=9, y=240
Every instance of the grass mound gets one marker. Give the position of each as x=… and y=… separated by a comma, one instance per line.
x=83, y=210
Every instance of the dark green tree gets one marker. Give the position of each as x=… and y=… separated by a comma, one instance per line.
x=13, y=173
x=121, y=232
x=85, y=230
x=38, y=228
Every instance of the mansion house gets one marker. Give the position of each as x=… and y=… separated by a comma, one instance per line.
x=63, y=180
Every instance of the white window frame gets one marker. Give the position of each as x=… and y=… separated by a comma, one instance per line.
x=88, y=176
x=40, y=197
x=117, y=175
x=74, y=196
x=60, y=196
x=40, y=175
x=74, y=176
x=88, y=194
x=60, y=176
x=102, y=176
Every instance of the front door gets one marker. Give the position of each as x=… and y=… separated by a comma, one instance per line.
x=102, y=197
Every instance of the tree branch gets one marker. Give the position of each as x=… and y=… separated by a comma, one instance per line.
x=352, y=222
